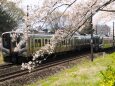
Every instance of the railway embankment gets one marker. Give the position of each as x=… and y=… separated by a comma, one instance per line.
x=1, y=58
x=22, y=77
x=100, y=72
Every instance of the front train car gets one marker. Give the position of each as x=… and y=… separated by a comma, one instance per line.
x=9, y=42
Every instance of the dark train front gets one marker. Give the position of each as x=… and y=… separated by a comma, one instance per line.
x=9, y=43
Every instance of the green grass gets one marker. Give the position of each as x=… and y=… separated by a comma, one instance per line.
x=86, y=73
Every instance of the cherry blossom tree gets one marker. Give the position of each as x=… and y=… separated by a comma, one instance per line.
x=79, y=14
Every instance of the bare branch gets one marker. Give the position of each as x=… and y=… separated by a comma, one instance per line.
x=107, y=10
x=90, y=15
x=69, y=5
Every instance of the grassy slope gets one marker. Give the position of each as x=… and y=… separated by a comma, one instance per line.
x=1, y=58
x=86, y=73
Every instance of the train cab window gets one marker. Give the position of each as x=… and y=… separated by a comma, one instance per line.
x=6, y=40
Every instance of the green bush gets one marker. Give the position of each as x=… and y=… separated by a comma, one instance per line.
x=108, y=77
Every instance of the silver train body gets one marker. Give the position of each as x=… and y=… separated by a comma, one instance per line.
x=36, y=41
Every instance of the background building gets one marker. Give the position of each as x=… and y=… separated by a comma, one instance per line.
x=103, y=30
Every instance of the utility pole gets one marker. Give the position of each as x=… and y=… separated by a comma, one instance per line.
x=96, y=29
x=91, y=38
x=27, y=27
x=113, y=35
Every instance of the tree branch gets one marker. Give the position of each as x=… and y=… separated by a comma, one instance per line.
x=107, y=10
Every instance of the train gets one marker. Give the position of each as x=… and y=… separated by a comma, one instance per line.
x=36, y=41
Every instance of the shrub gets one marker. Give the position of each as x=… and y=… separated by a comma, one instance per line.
x=108, y=77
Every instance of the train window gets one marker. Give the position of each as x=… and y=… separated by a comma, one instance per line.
x=71, y=43
x=67, y=42
x=49, y=41
x=79, y=41
x=76, y=41
x=82, y=41
x=39, y=42
x=46, y=41
x=85, y=41
x=64, y=42
x=88, y=41
x=94, y=41
x=35, y=42
x=43, y=43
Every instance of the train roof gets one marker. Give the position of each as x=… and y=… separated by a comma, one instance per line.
x=50, y=35
x=11, y=32
x=40, y=35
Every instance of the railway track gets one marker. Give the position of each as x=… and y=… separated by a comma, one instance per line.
x=5, y=65
x=19, y=73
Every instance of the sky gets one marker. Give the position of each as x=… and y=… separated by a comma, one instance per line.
x=23, y=3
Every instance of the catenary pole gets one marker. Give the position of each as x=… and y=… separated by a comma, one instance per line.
x=113, y=36
x=27, y=27
x=91, y=39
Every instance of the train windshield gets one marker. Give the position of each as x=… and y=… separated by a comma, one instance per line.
x=6, y=40
x=11, y=39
